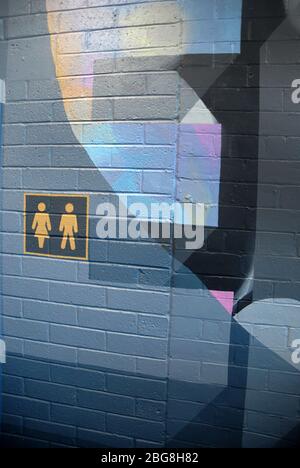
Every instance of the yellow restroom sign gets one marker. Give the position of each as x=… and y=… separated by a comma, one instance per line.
x=56, y=225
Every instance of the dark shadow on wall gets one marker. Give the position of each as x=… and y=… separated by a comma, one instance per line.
x=82, y=397
x=234, y=98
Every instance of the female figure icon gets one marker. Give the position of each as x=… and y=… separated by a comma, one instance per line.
x=69, y=227
x=41, y=225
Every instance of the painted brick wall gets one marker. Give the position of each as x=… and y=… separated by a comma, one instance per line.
x=138, y=347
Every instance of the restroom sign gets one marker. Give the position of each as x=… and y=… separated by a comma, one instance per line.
x=56, y=225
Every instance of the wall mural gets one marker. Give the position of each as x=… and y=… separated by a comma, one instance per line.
x=174, y=102
x=193, y=38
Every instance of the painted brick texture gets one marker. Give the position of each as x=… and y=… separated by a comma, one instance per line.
x=133, y=349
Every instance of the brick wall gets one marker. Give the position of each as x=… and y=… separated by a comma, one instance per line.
x=139, y=345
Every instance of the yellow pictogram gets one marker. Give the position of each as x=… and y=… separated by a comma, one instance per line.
x=56, y=225
x=69, y=227
x=41, y=225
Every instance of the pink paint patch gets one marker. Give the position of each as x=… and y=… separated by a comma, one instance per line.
x=210, y=136
x=225, y=298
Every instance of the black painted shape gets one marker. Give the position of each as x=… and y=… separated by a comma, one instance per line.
x=234, y=99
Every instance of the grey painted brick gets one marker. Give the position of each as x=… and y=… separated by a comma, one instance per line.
x=147, y=108
x=268, y=395
x=198, y=307
x=138, y=253
x=272, y=337
x=49, y=312
x=50, y=352
x=158, y=182
x=27, y=112
x=144, y=157
x=153, y=326
x=14, y=134
x=26, y=407
x=25, y=329
x=139, y=301
x=43, y=89
x=50, y=392
x=11, y=222
x=158, y=278
x=294, y=334
x=108, y=40
x=106, y=402
x=136, y=345
x=12, y=244
x=98, y=250
x=155, y=411
x=106, y=361
x=111, y=274
x=257, y=379
x=78, y=377
x=25, y=287
x=87, y=19
x=54, y=5
x=12, y=265
x=184, y=410
x=152, y=367
x=13, y=385
x=272, y=403
x=277, y=244
x=47, y=134
x=136, y=15
x=27, y=368
x=137, y=387
x=23, y=156
x=192, y=433
x=102, y=319
x=262, y=358
x=90, y=178
x=135, y=427
x=78, y=417
x=283, y=382
x=140, y=443
x=51, y=179
x=263, y=424
x=55, y=432
x=125, y=133
x=19, y=441
x=14, y=346
x=92, y=439
x=49, y=269
x=184, y=370
x=208, y=352
x=186, y=328
x=35, y=51
x=12, y=424
x=71, y=156
x=22, y=7
x=16, y=90
x=102, y=110
x=217, y=331
x=120, y=85
x=12, y=306
x=214, y=374
x=77, y=337
x=161, y=133
x=75, y=294
x=162, y=83
x=276, y=314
